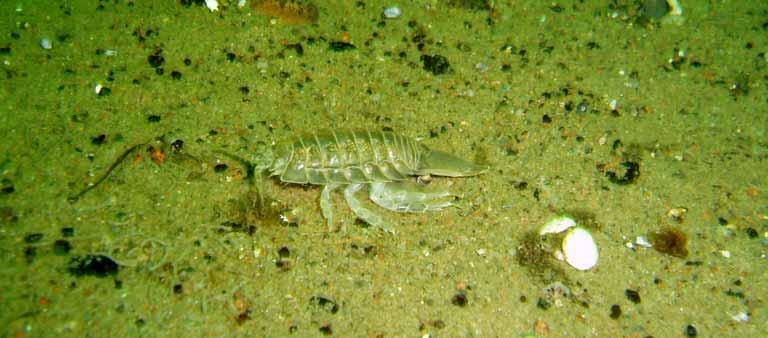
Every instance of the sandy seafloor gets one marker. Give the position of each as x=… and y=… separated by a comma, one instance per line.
x=528, y=90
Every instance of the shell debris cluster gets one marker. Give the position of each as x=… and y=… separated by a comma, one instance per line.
x=577, y=247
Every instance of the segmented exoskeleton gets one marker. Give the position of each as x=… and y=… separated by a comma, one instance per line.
x=384, y=161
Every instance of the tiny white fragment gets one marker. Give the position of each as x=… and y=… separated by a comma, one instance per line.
x=614, y=104
x=725, y=253
x=741, y=317
x=241, y=3
x=482, y=252
x=392, y=12
x=46, y=43
x=642, y=241
x=213, y=5
x=557, y=225
x=98, y=88
x=580, y=249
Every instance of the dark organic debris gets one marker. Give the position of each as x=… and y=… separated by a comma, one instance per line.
x=93, y=265
x=670, y=241
x=325, y=303
x=435, y=64
x=626, y=173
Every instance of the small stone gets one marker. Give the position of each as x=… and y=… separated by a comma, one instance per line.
x=633, y=296
x=46, y=43
x=690, y=331
x=460, y=298
x=220, y=168
x=615, y=311
x=392, y=12
x=61, y=247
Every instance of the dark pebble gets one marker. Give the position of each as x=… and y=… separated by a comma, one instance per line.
x=30, y=253
x=231, y=57
x=284, y=252
x=546, y=119
x=633, y=296
x=156, y=59
x=245, y=90
x=752, y=233
x=99, y=140
x=690, y=331
x=340, y=46
x=460, y=299
x=61, y=247
x=187, y=62
x=7, y=186
x=615, y=311
x=543, y=304
x=435, y=64
x=178, y=289
x=159, y=71
x=93, y=265
x=221, y=167
x=68, y=231
x=177, y=146
x=296, y=47
x=33, y=237
x=153, y=118
x=176, y=75
x=326, y=329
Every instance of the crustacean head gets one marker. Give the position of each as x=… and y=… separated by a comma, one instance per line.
x=435, y=162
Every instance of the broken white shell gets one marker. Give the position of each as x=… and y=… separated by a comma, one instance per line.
x=580, y=249
x=557, y=225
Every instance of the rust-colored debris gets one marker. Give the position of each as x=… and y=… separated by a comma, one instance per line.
x=670, y=241
x=297, y=12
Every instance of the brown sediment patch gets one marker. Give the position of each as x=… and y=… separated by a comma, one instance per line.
x=297, y=12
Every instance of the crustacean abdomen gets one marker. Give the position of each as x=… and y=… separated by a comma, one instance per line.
x=347, y=158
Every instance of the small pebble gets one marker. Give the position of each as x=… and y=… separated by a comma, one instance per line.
x=632, y=295
x=61, y=247
x=690, y=331
x=615, y=311
x=46, y=43
x=392, y=12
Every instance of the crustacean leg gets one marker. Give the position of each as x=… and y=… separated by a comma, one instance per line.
x=326, y=207
x=361, y=212
x=408, y=196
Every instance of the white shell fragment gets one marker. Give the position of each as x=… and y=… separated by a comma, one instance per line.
x=212, y=5
x=579, y=249
x=557, y=225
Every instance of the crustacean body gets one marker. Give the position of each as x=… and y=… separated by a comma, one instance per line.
x=384, y=161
